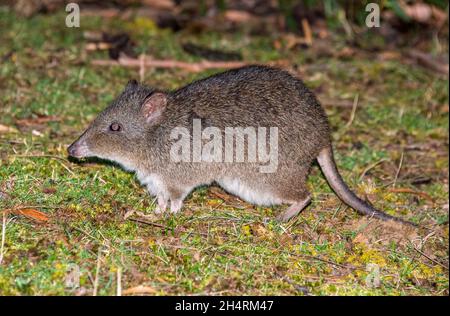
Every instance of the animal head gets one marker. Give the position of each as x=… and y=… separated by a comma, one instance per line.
x=119, y=132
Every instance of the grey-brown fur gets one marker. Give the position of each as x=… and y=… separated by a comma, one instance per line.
x=250, y=96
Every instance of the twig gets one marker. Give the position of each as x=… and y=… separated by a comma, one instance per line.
x=97, y=270
x=141, y=221
x=119, y=281
x=371, y=167
x=398, y=169
x=428, y=61
x=352, y=115
x=147, y=62
x=307, y=32
x=3, y=237
x=142, y=67
x=431, y=259
x=345, y=24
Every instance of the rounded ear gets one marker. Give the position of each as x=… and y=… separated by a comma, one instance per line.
x=131, y=84
x=153, y=106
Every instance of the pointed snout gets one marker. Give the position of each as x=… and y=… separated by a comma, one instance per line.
x=78, y=149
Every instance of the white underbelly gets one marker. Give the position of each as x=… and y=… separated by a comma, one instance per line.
x=154, y=184
x=248, y=194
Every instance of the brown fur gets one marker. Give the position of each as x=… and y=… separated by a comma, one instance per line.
x=256, y=96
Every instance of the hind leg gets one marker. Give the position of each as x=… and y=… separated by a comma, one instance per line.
x=294, y=209
x=292, y=190
x=177, y=196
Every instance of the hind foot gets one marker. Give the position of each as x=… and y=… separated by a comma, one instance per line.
x=175, y=206
x=293, y=210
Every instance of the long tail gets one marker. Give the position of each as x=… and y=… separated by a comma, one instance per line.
x=329, y=169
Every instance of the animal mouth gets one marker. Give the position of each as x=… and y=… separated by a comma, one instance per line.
x=79, y=150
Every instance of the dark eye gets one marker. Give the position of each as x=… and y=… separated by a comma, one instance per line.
x=115, y=127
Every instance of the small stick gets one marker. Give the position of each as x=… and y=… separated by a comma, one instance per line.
x=352, y=115
x=119, y=281
x=147, y=62
x=431, y=259
x=142, y=67
x=137, y=220
x=371, y=167
x=307, y=32
x=97, y=46
x=97, y=270
x=427, y=61
x=3, y=237
x=398, y=169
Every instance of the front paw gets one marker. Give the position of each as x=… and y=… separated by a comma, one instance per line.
x=159, y=210
x=175, y=206
x=162, y=205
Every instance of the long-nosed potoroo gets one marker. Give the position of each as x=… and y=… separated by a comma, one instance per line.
x=255, y=131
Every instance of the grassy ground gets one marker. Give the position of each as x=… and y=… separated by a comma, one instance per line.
x=397, y=141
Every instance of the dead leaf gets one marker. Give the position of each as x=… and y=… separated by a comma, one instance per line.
x=49, y=190
x=141, y=289
x=97, y=46
x=39, y=120
x=160, y=4
x=6, y=129
x=220, y=194
x=389, y=55
x=361, y=238
x=32, y=214
x=429, y=61
x=238, y=16
x=307, y=32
